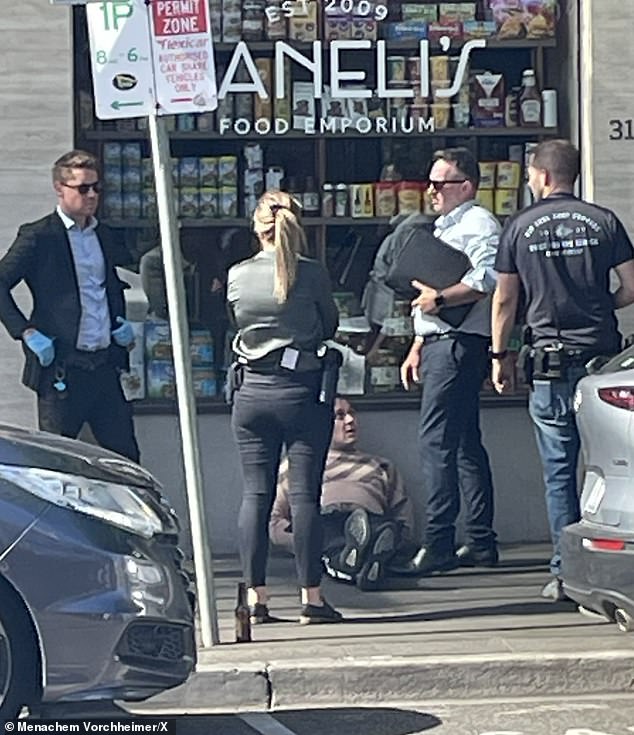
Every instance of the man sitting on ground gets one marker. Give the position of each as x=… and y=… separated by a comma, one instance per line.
x=367, y=516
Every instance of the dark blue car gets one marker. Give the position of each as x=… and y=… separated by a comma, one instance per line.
x=94, y=601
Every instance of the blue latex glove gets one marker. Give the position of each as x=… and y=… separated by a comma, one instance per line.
x=123, y=335
x=42, y=346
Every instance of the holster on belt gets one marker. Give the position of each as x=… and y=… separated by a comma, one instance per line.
x=235, y=376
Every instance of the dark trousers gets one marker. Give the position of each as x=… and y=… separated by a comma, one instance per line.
x=452, y=456
x=270, y=412
x=92, y=396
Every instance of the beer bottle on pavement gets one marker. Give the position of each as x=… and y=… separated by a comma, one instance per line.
x=242, y=615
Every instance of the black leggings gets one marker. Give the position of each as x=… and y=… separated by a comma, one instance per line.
x=269, y=412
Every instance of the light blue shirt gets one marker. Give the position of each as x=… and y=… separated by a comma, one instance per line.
x=473, y=230
x=90, y=267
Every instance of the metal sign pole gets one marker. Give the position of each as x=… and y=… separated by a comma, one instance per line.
x=184, y=386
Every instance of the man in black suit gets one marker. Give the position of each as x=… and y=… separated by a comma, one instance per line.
x=76, y=338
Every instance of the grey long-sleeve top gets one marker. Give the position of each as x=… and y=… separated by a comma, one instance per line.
x=308, y=316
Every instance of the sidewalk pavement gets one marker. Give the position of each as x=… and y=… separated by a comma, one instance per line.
x=470, y=633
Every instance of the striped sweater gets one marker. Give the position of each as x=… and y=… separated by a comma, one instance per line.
x=352, y=479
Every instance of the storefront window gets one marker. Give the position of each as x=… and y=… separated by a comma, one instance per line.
x=397, y=81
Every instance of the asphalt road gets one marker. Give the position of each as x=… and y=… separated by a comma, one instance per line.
x=608, y=715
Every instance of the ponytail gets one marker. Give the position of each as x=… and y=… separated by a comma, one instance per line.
x=276, y=220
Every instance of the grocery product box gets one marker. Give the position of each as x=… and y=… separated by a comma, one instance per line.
x=363, y=28
x=336, y=29
x=414, y=11
x=160, y=379
x=484, y=197
x=131, y=203
x=507, y=175
x=435, y=31
x=158, y=342
x=204, y=382
x=189, y=202
x=487, y=174
x=208, y=202
x=407, y=30
x=201, y=347
x=208, y=171
x=505, y=202
x=188, y=171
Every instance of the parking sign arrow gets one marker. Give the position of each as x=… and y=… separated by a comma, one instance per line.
x=116, y=105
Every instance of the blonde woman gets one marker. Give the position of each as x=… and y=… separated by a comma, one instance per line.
x=282, y=307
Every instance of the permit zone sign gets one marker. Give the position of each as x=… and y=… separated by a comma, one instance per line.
x=155, y=56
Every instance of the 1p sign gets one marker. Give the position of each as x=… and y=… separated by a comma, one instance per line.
x=184, y=76
x=120, y=59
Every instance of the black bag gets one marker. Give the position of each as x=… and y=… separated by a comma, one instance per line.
x=428, y=259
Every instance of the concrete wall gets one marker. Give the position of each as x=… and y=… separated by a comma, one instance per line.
x=607, y=112
x=520, y=508
x=36, y=126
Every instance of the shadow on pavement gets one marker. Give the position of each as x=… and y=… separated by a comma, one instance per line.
x=335, y=721
x=519, y=608
x=369, y=721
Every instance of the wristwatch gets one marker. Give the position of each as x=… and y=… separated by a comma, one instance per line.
x=440, y=300
x=498, y=355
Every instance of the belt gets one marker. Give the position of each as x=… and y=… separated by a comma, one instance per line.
x=430, y=338
x=271, y=363
x=84, y=360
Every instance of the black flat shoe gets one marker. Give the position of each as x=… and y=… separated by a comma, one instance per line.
x=317, y=614
x=471, y=557
x=427, y=561
x=260, y=615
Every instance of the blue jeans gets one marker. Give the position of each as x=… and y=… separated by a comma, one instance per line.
x=453, y=460
x=550, y=407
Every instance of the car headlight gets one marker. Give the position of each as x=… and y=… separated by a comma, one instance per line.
x=116, y=504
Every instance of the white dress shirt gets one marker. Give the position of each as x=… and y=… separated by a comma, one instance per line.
x=90, y=268
x=473, y=230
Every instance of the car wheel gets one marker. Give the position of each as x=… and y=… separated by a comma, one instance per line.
x=19, y=664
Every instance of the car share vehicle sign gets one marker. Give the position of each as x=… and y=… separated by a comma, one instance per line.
x=121, y=59
x=185, y=78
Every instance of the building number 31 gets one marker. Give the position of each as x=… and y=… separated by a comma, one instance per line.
x=622, y=129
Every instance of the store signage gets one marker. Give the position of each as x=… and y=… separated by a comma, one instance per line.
x=341, y=84
x=142, y=62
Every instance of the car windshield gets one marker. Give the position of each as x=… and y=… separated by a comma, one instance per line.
x=623, y=361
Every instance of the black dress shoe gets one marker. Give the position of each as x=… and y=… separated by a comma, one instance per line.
x=470, y=557
x=427, y=561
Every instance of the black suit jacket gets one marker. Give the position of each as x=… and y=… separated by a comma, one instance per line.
x=41, y=257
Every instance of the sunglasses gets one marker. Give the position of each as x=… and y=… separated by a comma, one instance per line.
x=83, y=189
x=439, y=185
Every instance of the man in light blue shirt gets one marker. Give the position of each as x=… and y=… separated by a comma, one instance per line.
x=75, y=338
x=451, y=361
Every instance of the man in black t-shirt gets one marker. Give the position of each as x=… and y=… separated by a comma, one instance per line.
x=559, y=252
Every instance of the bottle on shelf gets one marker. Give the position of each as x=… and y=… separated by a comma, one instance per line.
x=242, y=615
x=530, y=101
x=310, y=198
x=328, y=200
